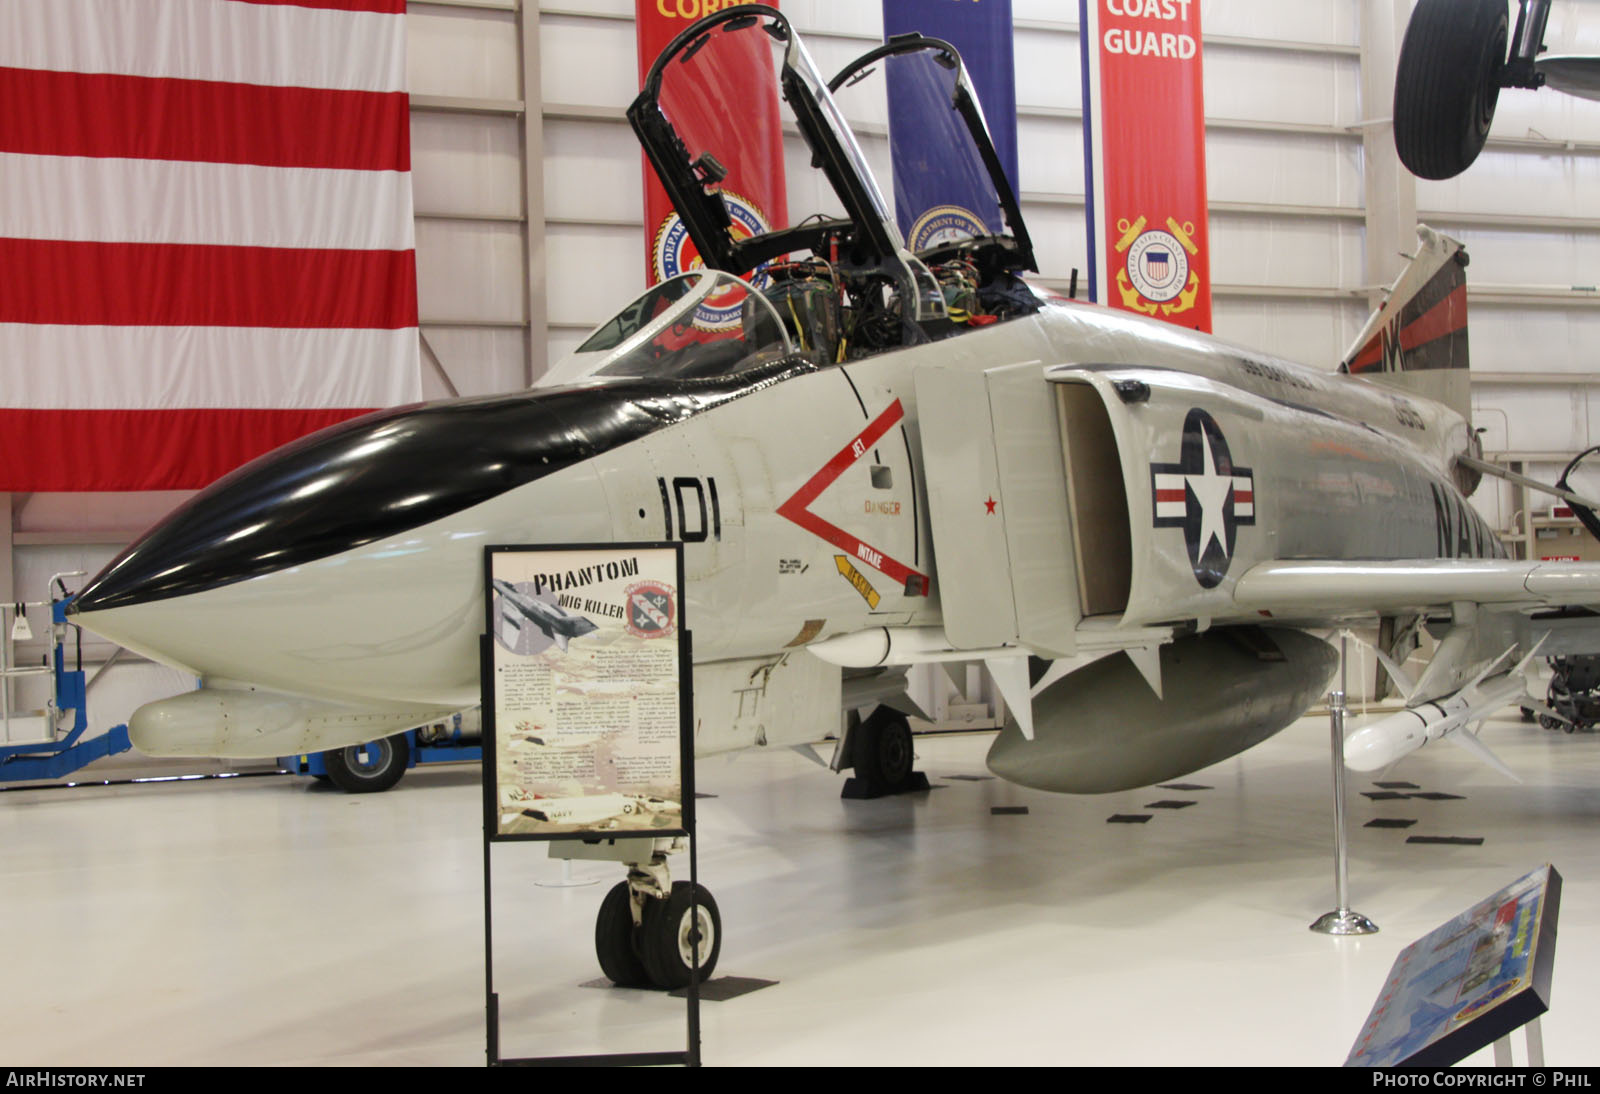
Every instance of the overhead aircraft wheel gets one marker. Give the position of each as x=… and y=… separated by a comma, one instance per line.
x=664, y=942
x=369, y=768
x=614, y=941
x=883, y=752
x=1447, y=83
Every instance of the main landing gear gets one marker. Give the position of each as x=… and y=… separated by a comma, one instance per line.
x=1574, y=694
x=880, y=750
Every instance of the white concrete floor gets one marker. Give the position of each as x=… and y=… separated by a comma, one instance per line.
x=268, y=920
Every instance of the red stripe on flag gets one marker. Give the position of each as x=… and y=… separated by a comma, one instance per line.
x=138, y=117
x=143, y=449
x=171, y=284
x=1171, y=495
x=382, y=7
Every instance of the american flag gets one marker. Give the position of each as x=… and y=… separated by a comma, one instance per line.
x=206, y=244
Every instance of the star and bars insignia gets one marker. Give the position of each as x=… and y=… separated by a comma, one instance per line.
x=1207, y=495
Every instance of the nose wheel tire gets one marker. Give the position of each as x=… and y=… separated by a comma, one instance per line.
x=369, y=768
x=667, y=937
x=615, y=943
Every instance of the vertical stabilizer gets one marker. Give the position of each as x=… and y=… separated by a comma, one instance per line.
x=1417, y=341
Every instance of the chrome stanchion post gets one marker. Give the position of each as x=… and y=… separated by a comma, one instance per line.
x=1341, y=920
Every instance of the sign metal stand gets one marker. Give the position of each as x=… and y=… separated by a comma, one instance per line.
x=566, y=620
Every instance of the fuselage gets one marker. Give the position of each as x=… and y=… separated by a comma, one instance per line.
x=348, y=567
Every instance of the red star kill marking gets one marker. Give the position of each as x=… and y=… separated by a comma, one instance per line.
x=988, y=506
x=798, y=507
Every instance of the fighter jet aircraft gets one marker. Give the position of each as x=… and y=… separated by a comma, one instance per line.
x=518, y=609
x=874, y=458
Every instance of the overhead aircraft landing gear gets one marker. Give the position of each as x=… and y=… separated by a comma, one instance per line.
x=644, y=934
x=1452, y=65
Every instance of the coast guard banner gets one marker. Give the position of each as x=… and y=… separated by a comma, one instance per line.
x=981, y=32
x=1144, y=147
x=206, y=243
x=735, y=111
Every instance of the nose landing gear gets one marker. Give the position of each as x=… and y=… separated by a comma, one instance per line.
x=650, y=930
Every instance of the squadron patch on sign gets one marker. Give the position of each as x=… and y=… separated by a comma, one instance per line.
x=1206, y=495
x=674, y=253
x=652, y=610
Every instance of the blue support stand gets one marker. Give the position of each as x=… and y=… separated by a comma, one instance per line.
x=55, y=759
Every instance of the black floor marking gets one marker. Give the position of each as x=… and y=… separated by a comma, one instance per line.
x=1389, y=822
x=724, y=988
x=1436, y=796
x=712, y=991
x=1384, y=795
x=1008, y=810
x=1397, y=785
x=1167, y=805
x=1182, y=786
x=700, y=795
x=970, y=778
x=1128, y=818
x=1461, y=841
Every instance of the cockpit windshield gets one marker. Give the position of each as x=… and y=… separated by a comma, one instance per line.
x=697, y=325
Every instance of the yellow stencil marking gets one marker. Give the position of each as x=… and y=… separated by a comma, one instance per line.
x=861, y=584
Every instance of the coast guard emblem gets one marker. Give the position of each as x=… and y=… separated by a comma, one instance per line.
x=1155, y=274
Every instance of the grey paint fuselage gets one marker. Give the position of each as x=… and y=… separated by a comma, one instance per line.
x=1343, y=469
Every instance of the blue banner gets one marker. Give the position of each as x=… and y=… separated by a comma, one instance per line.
x=981, y=31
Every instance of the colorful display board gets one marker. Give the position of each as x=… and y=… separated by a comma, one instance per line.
x=1468, y=983
x=586, y=692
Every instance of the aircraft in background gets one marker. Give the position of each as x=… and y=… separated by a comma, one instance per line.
x=874, y=458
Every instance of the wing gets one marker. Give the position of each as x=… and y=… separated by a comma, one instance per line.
x=1338, y=587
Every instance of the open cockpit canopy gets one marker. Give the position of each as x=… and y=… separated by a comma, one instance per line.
x=817, y=265
x=698, y=128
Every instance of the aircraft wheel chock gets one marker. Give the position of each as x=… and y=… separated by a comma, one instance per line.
x=1447, y=83
x=369, y=768
x=614, y=941
x=664, y=937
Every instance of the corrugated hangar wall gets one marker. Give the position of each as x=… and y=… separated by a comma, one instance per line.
x=1309, y=212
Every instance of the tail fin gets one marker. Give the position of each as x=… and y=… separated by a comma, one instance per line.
x=1418, y=340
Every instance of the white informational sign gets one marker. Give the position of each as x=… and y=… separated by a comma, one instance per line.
x=585, y=691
